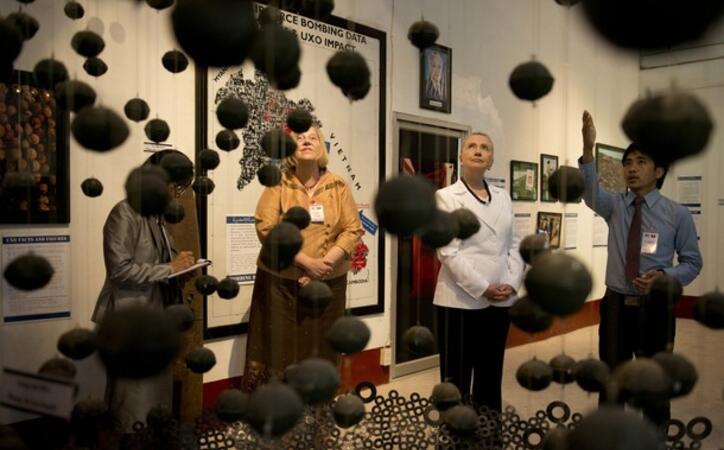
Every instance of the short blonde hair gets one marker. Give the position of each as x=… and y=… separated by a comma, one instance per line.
x=290, y=162
x=479, y=133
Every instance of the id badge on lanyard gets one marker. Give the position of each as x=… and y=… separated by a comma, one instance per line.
x=649, y=243
x=316, y=211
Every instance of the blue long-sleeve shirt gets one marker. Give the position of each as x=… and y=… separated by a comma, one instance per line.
x=672, y=222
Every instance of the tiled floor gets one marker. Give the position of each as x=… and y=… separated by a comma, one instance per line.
x=704, y=347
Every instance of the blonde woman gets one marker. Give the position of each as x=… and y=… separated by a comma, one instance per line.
x=280, y=333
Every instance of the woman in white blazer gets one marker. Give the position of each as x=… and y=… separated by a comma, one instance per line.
x=478, y=280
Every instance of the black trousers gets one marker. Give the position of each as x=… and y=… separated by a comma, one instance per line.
x=472, y=344
x=628, y=331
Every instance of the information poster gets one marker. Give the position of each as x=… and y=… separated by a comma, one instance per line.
x=353, y=134
x=689, y=190
x=570, y=226
x=242, y=248
x=49, y=302
x=523, y=225
x=600, y=232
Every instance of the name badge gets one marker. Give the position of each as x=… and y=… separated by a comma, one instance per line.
x=649, y=243
x=317, y=213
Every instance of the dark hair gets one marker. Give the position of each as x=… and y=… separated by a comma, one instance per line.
x=178, y=166
x=658, y=161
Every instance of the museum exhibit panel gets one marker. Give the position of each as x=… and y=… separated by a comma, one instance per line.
x=393, y=224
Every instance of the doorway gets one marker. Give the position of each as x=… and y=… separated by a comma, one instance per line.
x=429, y=148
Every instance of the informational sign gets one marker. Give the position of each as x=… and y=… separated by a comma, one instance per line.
x=242, y=248
x=696, y=216
x=51, y=301
x=353, y=135
x=600, y=231
x=689, y=191
x=523, y=225
x=570, y=225
x=37, y=394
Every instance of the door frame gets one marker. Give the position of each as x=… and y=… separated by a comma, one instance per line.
x=404, y=121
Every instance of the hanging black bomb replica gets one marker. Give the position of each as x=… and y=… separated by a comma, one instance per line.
x=25, y=23
x=299, y=120
x=137, y=341
x=467, y=223
x=174, y=61
x=136, y=109
x=640, y=24
x=558, y=283
x=299, y=216
x=462, y=419
x=348, y=70
x=531, y=81
x=281, y=245
x=534, y=375
x=29, y=272
x=404, y=204
x=174, y=213
x=232, y=113
x=215, y=33
x=562, y=366
x=157, y=130
x=231, y=405
x=147, y=190
x=592, y=375
x=566, y=184
x=209, y=159
x=206, y=284
x=78, y=343
x=49, y=72
x=275, y=52
x=227, y=140
x=74, y=10
x=92, y=187
x=99, y=129
x=445, y=395
x=200, y=360
x=314, y=297
x=613, y=428
x=423, y=34
x=183, y=315
x=419, y=341
x=203, y=185
x=269, y=175
x=348, y=335
x=316, y=380
x=228, y=288
x=348, y=410
x=277, y=144
x=673, y=124
x=709, y=310
x=95, y=67
x=533, y=246
x=74, y=95
x=88, y=43
x=440, y=231
x=273, y=409
x=528, y=316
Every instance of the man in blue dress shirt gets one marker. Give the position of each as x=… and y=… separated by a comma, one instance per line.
x=645, y=230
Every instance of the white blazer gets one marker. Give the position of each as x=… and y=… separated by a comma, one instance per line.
x=490, y=256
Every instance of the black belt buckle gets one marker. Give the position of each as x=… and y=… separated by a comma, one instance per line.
x=632, y=300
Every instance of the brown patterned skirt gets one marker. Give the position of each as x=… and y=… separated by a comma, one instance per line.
x=281, y=332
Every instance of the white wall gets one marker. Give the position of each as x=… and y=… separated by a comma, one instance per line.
x=133, y=52
x=488, y=39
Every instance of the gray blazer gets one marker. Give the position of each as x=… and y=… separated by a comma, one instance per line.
x=132, y=253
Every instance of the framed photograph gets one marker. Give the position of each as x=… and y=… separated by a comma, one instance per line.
x=610, y=168
x=34, y=158
x=356, y=154
x=548, y=165
x=549, y=223
x=436, y=78
x=523, y=181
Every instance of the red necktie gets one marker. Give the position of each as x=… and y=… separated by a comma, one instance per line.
x=633, y=249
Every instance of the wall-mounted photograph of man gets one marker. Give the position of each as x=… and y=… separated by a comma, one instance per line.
x=549, y=223
x=524, y=181
x=436, y=78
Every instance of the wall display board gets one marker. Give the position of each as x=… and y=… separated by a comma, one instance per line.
x=523, y=181
x=53, y=300
x=354, y=134
x=34, y=143
x=609, y=168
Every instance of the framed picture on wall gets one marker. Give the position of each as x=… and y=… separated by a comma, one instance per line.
x=549, y=223
x=609, y=167
x=436, y=78
x=524, y=181
x=356, y=154
x=548, y=165
x=34, y=158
